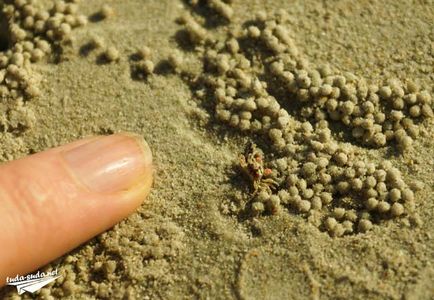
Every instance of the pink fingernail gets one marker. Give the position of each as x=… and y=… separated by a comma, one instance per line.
x=110, y=164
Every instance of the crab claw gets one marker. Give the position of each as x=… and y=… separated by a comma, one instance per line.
x=267, y=172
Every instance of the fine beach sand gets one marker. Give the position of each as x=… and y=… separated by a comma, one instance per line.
x=191, y=239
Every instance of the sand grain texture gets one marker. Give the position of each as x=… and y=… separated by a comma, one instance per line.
x=190, y=239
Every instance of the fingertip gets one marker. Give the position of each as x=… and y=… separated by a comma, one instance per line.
x=89, y=185
x=143, y=145
x=139, y=190
x=110, y=164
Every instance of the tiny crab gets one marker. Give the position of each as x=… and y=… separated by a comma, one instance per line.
x=252, y=164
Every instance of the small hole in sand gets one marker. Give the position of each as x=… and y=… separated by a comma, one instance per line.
x=4, y=31
x=4, y=43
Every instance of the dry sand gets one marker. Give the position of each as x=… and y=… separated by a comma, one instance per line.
x=189, y=239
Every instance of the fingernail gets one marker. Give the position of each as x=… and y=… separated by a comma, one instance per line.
x=112, y=163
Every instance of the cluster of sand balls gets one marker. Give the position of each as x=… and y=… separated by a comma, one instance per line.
x=144, y=66
x=375, y=113
x=197, y=34
x=32, y=31
x=317, y=176
x=323, y=177
x=109, y=54
x=223, y=8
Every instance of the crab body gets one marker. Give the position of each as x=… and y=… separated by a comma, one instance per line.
x=252, y=164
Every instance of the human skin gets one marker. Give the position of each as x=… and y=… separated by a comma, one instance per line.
x=53, y=201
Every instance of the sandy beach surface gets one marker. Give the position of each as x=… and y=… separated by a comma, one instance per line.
x=201, y=234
